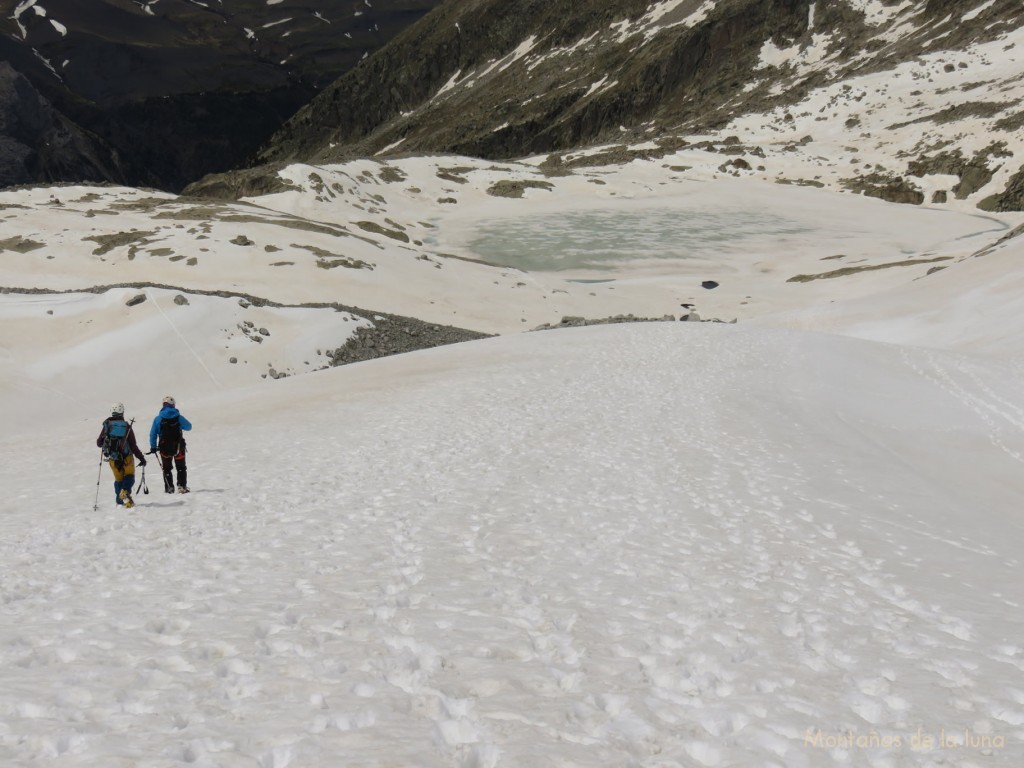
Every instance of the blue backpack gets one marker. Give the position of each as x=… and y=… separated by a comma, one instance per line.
x=115, y=440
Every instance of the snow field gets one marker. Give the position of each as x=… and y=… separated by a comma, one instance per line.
x=661, y=545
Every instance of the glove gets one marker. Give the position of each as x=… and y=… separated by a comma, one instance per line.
x=142, y=461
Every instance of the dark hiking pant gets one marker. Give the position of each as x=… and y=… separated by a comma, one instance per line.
x=178, y=461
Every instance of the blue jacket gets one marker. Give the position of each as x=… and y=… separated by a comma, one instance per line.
x=167, y=412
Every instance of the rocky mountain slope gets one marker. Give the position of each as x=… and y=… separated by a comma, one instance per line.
x=499, y=80
x=160, y=92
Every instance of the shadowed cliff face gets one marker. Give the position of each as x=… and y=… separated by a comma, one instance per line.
x=178, y=89
x=37, y=143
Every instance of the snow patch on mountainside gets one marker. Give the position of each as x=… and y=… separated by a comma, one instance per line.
x=878, y=13
x=672, y=13
x=972, y=15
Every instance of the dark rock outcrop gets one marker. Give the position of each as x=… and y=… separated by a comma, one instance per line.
x=974, y=174
x=571, y=321
x=234, y=185
x=892, y=189
x=1010, y=199
x=392, y=335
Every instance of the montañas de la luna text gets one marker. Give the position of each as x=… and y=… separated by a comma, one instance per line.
x=919, y=740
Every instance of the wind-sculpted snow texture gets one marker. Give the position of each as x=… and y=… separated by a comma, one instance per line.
x=658, y=545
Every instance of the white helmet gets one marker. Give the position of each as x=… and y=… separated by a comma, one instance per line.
x=117, y=409
x=168, y=400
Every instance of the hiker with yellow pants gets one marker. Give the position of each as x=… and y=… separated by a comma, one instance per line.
x=117, y=439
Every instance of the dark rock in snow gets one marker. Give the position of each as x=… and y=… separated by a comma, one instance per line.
x=892, y=189
x=391, y=335
x=1010, y=199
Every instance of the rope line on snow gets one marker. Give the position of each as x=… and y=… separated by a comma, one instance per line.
x=183, y=340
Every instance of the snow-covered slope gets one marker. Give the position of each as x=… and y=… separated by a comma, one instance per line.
x=656, y=545
x=790, y=541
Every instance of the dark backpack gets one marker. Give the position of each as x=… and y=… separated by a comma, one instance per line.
x=115, y=440
x=169, y=439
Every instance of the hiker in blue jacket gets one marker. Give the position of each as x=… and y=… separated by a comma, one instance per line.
x=166, y=437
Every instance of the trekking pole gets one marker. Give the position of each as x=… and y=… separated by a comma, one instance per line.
x=99, y=474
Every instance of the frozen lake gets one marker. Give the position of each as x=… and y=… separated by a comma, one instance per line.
x=604, y=239
x=676, y=235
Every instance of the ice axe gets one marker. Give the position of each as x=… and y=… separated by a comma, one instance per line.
x=142, y=483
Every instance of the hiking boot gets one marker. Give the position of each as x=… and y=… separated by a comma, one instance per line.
x=182, y=489
x=126, y=499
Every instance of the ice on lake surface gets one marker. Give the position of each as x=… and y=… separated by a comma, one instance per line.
x=604, y=239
